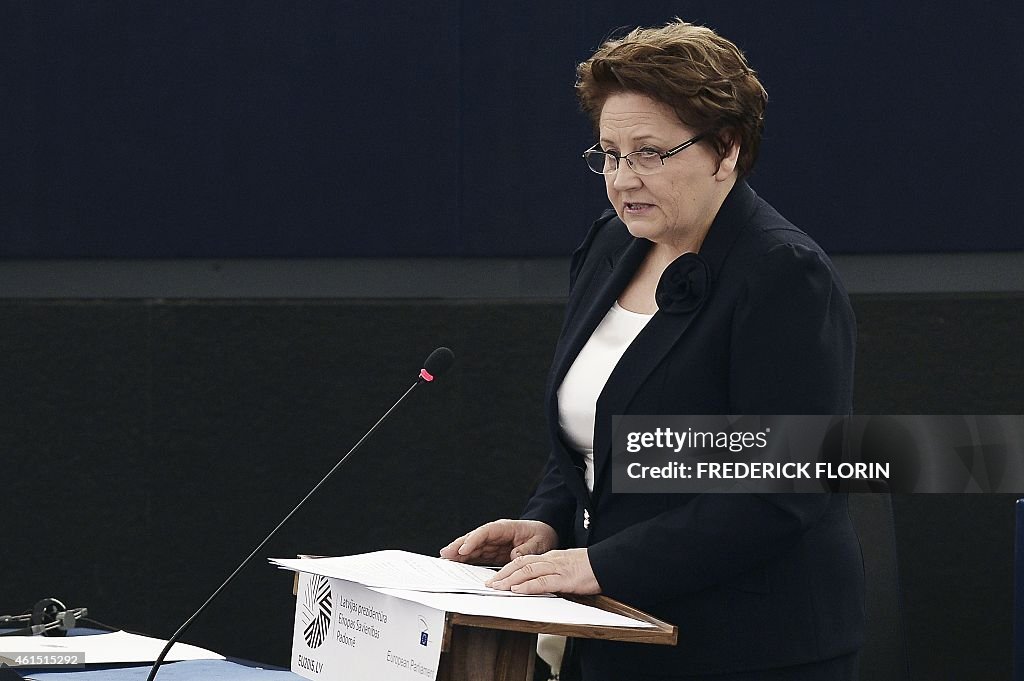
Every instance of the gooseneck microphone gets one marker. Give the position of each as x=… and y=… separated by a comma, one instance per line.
x=439, y=361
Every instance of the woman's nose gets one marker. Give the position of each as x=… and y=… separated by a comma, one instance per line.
x=625, y=177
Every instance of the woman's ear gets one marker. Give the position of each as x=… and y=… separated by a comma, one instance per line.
x=727, y=165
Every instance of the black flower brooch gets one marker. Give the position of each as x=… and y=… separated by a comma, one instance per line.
x=684, y=285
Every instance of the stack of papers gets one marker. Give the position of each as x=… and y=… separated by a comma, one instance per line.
x=400, y=570
x=452, y=587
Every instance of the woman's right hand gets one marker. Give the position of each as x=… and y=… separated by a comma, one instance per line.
x=501, y=541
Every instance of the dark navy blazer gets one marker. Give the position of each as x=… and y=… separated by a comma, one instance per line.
x=752, y=581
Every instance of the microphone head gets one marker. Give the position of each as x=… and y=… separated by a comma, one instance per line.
x=440, y=361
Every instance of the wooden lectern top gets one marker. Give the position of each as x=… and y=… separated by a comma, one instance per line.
x=661, y=633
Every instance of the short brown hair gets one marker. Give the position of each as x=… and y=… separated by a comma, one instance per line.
x=700, y=75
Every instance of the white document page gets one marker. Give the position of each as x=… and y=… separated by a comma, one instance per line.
x=554, y=610
x=114, y=648
x=394, y=569
x=451, y=587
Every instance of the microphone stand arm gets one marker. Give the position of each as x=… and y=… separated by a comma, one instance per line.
x=184, y=627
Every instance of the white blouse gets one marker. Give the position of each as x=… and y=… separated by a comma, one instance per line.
x=583, y=383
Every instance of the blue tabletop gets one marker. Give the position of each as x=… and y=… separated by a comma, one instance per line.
x=210, y=670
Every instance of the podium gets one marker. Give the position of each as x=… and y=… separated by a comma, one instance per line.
x=485, y=648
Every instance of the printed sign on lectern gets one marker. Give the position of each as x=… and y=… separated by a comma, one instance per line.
x=344, y=630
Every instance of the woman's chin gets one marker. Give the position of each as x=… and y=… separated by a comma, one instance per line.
x=640, y=227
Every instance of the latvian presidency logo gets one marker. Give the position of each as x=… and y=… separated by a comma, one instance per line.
x=316, y=611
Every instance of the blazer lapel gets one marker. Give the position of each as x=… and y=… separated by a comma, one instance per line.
x=606, y=283
x=665, y=329
x=607, y=280
x=655, y=341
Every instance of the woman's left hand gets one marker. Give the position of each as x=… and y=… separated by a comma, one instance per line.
x=566, y=572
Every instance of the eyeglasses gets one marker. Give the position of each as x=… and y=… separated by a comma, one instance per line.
x=642, y=162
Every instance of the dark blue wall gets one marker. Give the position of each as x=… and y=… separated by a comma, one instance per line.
x=322, y=128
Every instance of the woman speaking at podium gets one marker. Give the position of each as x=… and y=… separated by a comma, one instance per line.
x=691, y=296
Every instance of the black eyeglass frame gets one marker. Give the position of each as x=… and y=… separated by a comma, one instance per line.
x=662, y=156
